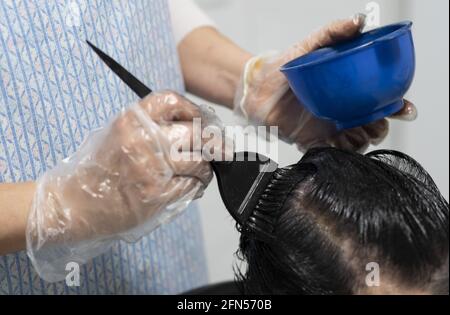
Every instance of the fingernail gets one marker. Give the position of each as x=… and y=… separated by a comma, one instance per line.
x=411, y=113
x=408, y=114
x=360, y=19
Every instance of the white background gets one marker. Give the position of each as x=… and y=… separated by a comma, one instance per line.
x=260, y=25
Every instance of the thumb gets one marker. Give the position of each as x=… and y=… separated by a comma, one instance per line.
x=407, y=113
x=336, y=32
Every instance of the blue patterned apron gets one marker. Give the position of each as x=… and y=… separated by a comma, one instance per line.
x=53, y=92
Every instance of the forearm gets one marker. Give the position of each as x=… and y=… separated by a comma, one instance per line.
x=212, y=65
x=15, y=202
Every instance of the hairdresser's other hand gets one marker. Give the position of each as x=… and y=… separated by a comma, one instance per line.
x=264, y=97
x=122, y=183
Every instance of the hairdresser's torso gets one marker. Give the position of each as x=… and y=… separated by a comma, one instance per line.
x=53, y=91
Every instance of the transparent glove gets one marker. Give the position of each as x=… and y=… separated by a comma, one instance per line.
x=264, y=97
x=120, y=185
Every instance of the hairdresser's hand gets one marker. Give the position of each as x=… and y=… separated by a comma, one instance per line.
x=265, y=98
x=123, y=182
x=124, y=174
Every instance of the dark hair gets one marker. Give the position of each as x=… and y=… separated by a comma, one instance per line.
x=381, y=207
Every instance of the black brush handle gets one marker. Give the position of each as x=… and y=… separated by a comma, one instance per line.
x=133, y=83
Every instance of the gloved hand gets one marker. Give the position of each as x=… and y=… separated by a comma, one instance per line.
x=121, y=184
x=264, y=97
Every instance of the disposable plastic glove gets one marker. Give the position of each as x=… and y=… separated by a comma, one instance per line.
x=264, y=97
x=121, y=184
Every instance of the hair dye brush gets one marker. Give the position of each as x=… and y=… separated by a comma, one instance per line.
x=252, y=188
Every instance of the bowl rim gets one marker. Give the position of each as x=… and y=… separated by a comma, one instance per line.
x=404, y=27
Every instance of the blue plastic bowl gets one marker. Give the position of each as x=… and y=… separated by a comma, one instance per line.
x=356, y=82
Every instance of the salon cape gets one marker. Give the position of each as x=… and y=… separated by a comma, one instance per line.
x=54, y=91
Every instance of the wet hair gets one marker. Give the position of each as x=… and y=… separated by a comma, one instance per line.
x=354, y=209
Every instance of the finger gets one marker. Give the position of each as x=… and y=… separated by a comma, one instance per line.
x=180, y=136
x=359, y=138
x=166, y=153
x=336, y=32
x=186, y=188
x=175, y=193
x=190, y=137
x=377, y=131
x=342, y=142
x=147, y=135
x=145, y=159
x=169, y=106
x=125, y=121
x=199, y=170
x=142, y=148
x=145, y=165
x=318, y=144
x=407, y=113
x=181, y=186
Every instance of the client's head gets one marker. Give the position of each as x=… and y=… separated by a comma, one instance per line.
x=374, y=224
